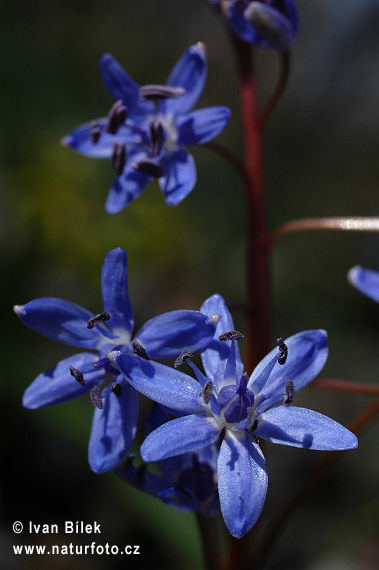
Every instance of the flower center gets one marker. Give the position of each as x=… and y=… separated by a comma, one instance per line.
x=234, y=401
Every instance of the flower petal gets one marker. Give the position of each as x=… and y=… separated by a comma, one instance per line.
x=122, y=86
x=60, y=320
x=113, y=428
x=307, y=353
x=126, y=188
x=80, y=139
x=180, y=176
x=114, y=288
x=366, y=281
x=167, y=335
x=300, y=427
x=178, y=500
x=216, y=355
x=178, y=436
x=242, y=482
x=201, y=126
x=58, y=385
x=189, y=72
x=160, y=383
x=147, y=482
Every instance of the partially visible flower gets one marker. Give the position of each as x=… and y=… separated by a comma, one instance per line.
x=227, y=402
x=271, y=24
x=145, y=140
x=116, y=408
x=366, y=281
x=187, y=482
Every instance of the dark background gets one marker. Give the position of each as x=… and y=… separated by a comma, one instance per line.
x=321, y=159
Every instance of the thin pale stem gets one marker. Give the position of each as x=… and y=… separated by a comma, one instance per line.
x=230, y=156
x=279, y=88
x=353, y=223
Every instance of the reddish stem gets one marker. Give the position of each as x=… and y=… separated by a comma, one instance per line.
x=258, y=296
x=348, y=387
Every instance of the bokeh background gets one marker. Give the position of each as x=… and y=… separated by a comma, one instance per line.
x=321, y=159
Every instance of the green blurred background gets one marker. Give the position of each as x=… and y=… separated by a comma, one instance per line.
x=321, y=159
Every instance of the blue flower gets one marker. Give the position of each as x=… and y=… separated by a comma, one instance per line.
x=116, y=408
x=226, y=401
x=366, y=281
x=145, y=140
x=271, y=24
x=187, y=482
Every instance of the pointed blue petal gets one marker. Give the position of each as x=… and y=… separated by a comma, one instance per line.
x=126, y=188
x=160, y=383
x=113, y=428
x=366, y=281
x=189, y=72
x=307, y=353
x=80, y=139
x=201, y=126
x=178, y=500
x=60, y=320
x=167, y=335
x=114, y=288
x=121, y=86
x=300, y=427
x=242, y=482
x=178, y=436
x=58, y=385
x=216, y=354
x=180, y=176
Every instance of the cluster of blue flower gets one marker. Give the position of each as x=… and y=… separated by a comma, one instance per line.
x=209, y=454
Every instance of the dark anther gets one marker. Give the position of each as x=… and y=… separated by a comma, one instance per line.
x=160, y=92
x=149, y=166
x=95, y=132
x=77, y=375
x=230, y=335
x=116, y=389
x=283, y=351
x=118, y=158
x=156, y=135
x=139, y=350
x=207, y=391
x=141, y=470
x=100, y=318
x=290, y=393
x=252, y=419
x=116, y=117
x=96, y=398
x=183, y=357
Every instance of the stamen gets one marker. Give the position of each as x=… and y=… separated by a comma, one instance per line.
x=100, y=318
x=161, y=92
x=156, y=134
x=290, y=393
x=283, y=351
x=95, y=397
x=252, y=418
x=207, y=392
x=95, y=132
x=77, y=375
x=116, y=117
x=116, y=389
x=149, y=166
x=183, y=357
x=139, y=350
x=118, y=157
x=230, y=335
x=141, y=470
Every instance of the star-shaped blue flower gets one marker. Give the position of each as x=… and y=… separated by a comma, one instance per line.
x=187, y=482
x=226, y=401
x=145, y=140
x=366, y=281
x=116, y=408
x=271, y=24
